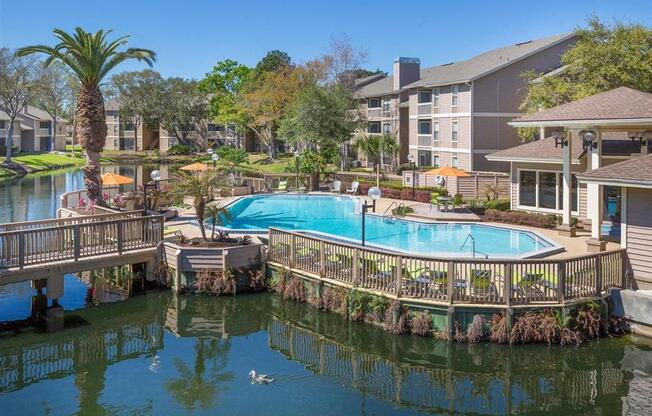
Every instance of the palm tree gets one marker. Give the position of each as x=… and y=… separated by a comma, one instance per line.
x=376, y=146
x=218, y=216
x=199, y=187
x=90, y=56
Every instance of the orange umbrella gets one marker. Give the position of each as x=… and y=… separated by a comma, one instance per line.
x=113, y=179
x=197, y=167
x=447, y=171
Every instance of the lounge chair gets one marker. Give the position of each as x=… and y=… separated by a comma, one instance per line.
x=482, y=286
x=353, y=190
x=282, y=186
x=336, y=186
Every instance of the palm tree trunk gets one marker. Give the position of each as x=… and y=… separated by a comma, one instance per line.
x=91, y=129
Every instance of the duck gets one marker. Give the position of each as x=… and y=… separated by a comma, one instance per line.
x=260, y=378
x=156, y=363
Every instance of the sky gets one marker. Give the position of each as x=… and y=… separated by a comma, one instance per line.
x=190, y=36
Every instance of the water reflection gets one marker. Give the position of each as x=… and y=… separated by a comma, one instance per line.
x=192, y=354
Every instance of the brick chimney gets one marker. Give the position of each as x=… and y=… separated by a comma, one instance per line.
x=406, y=70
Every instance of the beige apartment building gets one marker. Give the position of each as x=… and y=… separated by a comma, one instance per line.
x=33, y=131
x=121, y=134
x=457, y=113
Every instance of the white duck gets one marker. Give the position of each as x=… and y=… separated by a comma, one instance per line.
x=259, y=378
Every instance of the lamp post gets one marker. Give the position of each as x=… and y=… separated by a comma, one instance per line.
x=414, y=173
x=296, y=158
x=215, y=157
x=156, y=177
x=373, y=193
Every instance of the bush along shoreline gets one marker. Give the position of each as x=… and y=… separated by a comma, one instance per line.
x=544, y=325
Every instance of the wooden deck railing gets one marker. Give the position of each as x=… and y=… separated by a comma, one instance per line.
x=53, y=222
x=483, y=281
x=74, y=240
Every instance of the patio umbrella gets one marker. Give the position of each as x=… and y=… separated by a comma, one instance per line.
x=113, y=179
x=195, y=167
x=447, y=171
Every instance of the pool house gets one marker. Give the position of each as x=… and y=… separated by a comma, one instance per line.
x=593, y=164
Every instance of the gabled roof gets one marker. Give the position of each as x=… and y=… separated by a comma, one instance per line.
x=618, y=104
x=637, y=171
x=467, y=70
x=539, y=151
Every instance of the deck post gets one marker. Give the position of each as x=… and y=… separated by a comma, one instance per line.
x=293, y=249
x=355, y=267
x=561, y=283
x=21, y=250
x=120, y=236
x=450, y=322
x=450, y=280
x=507, y=285
x=322, y=259
x=76, y=246
x=598, y=274
x=398, y=270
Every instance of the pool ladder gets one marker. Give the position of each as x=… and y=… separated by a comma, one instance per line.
x=473, y=250
x=392, y=217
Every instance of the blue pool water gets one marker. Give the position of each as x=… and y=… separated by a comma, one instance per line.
x=337, y=215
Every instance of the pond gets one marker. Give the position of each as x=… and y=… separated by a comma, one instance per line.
x=165, y=354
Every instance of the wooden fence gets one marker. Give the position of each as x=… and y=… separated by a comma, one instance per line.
x=76, y=238
x=480, y=281
x=470, y=187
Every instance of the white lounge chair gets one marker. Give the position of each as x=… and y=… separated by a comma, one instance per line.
x=354, y=188
x=336, y=186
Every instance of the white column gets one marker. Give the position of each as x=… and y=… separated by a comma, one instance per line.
x=567, y=181
x=594, y=191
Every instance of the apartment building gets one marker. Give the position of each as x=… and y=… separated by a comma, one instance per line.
x=33, y=131
x=457, y=113
x=122, y=134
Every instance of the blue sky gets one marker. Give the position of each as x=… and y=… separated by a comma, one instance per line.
x=190, y=36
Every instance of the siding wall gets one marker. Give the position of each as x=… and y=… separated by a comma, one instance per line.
x=639, y=233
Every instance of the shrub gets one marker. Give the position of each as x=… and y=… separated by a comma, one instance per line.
x=521, y=218
x=232, y=155
x=179, y=149
x=358, y=304
x=498, y=329
x=215, y=282
x=475, y=333
x=295, y=289
x=459, y=335
x=501, y=204
x=402, y=210
x=334, y=300
x=421, y=324
x=257, y=281
x=400, y=326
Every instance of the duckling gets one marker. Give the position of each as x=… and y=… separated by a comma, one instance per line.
x=259, y=378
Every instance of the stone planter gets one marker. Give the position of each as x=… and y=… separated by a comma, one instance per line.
x=184, y=262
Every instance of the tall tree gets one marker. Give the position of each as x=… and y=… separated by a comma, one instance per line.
x=185, y=110
x=19, y=86
x=322, y=116
x=273, y=61
x=224, y=84
x=266, y=99
x=139, y=94
x=54, y=95
x=603, y=58
x=90, y=56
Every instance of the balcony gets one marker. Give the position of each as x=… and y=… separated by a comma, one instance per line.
x=44, y=132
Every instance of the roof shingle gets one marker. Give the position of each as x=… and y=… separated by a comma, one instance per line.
x=539, y=150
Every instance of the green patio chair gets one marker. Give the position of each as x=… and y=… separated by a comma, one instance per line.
x=481, y=285
x=282, y=186
x=433, y=200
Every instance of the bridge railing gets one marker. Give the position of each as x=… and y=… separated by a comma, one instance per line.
x=79, y=219
x=448, y=280
x=72, y=241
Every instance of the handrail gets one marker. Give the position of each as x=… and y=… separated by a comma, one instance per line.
x=473, y=250
x=390, y=206
x=445, y=279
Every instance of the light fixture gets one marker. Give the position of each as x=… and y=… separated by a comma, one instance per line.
x=560, y=137
x=410, y=158
x=155, y=175
x=209, y=151
x=374, y=193
x=640, y=135
x=588, y=139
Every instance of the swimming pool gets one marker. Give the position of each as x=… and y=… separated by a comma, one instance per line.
x=338, y=216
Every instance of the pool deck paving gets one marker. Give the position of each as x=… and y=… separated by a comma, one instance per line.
x=423, y=212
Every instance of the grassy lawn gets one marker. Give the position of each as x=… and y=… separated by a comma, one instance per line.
x=260, y=162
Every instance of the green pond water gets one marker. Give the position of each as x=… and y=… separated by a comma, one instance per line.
x=164, y=354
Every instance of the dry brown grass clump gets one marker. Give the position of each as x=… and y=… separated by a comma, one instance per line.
x=498, y=329
x=215, y=282
x=421, y=324
x=257, y=280
x=476, y=332
x=401, y=325
x=295, y=290
x=333, y=299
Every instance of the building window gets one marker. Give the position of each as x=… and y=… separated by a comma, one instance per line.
x=527, y=185
x=425, y=157
x=425, y=97
x=387, y=128
x=115, y=117
x=115, y=129
x=455, y=90
x=455, y=162
x=548, y=190
x=435, y=97
x=435, y=135
x=215, y=127
x=387, y=104
x=115, y=144
x=424, y=127
x=3, y=141
x=435, y=161
x=454, y=130
x=373, y=103
x=129, y=126
x=373, y=127
x=44, y=124
x=2, y=124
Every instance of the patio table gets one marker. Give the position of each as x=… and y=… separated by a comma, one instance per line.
x=445, y=200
